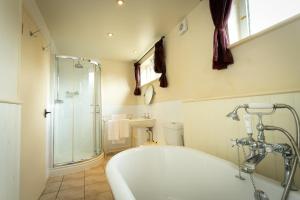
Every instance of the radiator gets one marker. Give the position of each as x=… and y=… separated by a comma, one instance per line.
x=111, y=147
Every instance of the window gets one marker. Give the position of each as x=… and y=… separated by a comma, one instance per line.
x=248, y=17
x=147, y=71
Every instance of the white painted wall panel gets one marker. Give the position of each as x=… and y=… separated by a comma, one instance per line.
x=10, y=118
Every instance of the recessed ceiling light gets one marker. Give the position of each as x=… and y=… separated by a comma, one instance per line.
x=110, y=35
x=135, y=51
x=120, y=2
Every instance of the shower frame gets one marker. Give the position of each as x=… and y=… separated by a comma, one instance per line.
x=97, y=111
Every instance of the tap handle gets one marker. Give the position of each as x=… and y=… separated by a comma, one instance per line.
x=248, y=124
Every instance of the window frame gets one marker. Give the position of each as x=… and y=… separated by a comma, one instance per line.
x=266, y=30
x=151, y=75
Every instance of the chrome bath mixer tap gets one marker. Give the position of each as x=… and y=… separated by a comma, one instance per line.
x=259, y=148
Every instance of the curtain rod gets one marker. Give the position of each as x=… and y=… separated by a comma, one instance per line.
x=149, y=50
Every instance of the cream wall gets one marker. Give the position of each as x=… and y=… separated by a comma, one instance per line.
x=117, y=79
x=34, y=80
x=10, y=48
x=266, y=64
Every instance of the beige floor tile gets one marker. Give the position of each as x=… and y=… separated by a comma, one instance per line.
x=92, y=179
x=103, y=164
x=72, y=183
x=49, y=196
x=99, y=165
x=95, y=189
x=108, y=157
x=86, y=185
x=74, y=176
x=55, y=179
x=95, y=171
x=71, y=194
x=52, y=187
x=100, y=196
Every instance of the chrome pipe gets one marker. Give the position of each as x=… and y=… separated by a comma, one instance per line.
x=296, y=118
x=294, y=168
x=297, y=152
x=288, y=135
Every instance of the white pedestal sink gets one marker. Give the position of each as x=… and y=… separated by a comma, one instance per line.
x=142, y=123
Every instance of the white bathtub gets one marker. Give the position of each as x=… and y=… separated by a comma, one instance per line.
x=179, y=173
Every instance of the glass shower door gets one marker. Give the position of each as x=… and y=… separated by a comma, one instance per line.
x=76, y=114
x=84, y=114
x=63, y=113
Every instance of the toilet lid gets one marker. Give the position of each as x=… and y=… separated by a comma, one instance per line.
x=173, y=125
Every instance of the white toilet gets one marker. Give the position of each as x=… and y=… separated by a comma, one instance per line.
x=173, y=133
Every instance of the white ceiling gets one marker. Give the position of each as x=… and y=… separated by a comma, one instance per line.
x=80, y=27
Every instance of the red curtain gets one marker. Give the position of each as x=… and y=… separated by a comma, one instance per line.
x=137, y=74
x=220, y=10
x=160, y=63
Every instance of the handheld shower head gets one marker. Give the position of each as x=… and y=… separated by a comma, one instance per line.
x=233, y=115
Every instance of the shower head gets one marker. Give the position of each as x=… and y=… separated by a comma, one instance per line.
x=78, y=65
x=233, y=115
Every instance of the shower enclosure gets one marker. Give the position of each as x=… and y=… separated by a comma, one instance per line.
x=77, y=111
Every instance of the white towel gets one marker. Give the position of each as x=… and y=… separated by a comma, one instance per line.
x=121, y=141
x=113, y=132
x=119, y=117
x=124, y=128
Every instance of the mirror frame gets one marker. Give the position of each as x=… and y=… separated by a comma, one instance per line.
x=151, y=92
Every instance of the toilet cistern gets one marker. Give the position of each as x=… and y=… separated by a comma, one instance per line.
x=173, y=133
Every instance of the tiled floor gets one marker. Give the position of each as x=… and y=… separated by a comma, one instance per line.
x=86, y=185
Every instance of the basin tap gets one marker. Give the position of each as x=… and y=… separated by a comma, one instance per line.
x=147, y=115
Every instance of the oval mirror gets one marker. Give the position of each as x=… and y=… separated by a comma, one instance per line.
x=149, y=93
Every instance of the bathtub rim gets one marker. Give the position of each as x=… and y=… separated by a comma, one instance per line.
x=113, y=171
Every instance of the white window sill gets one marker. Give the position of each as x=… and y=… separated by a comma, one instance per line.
x=149, y=83
x=263, y=32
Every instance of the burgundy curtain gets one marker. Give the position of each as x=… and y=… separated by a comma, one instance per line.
x=220, y=10
x=137, y=74
x=160, y=63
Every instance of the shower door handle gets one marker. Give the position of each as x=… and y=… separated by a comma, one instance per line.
x=46, y=113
